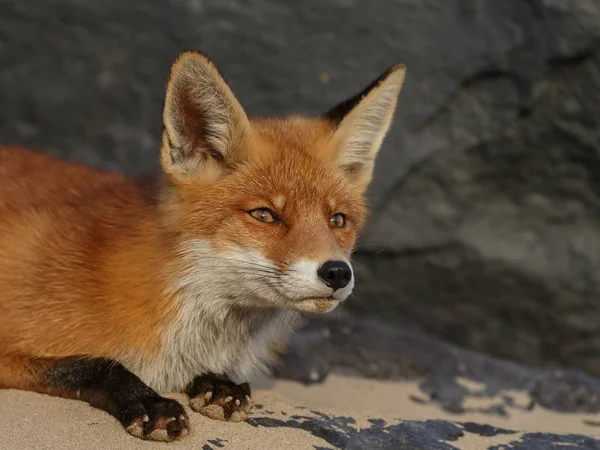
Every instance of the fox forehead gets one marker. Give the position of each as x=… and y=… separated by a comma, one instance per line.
x=288, y=164
x=287, y=168
x=294, y=158
x=299, y=133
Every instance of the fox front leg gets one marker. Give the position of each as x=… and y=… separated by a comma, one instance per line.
x=104, y=384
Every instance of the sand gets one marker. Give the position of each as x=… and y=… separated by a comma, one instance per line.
x=34, y=421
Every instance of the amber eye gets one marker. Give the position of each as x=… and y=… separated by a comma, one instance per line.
x=263, y=214
x=337, y=221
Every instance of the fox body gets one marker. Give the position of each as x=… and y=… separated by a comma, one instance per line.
x=114, y=289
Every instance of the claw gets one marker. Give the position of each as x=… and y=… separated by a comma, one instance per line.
x=182, y=417
x=208, y=396
x=237, y=402
x=248, y=399
x=170, y=419
x=146, y=419
x=228, y=399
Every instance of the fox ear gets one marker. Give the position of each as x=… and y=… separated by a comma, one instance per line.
x=205, y=125
x=362, y=122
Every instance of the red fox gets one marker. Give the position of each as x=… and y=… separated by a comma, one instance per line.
x=115, y=289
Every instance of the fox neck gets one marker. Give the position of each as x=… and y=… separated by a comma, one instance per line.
x=203, y=321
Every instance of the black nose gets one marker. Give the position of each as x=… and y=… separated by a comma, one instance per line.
x=335, y=274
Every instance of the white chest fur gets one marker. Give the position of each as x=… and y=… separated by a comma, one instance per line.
x=204, y=338
x=219, y=326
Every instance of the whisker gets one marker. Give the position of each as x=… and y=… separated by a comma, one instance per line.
x=279, y=322
x=248, y=268
x=257, y=264
x=360, y=303
x=247, y=263
x=255, y=260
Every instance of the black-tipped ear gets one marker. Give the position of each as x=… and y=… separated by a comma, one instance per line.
x=341, y=110
x=362, y=121
x=204, y=123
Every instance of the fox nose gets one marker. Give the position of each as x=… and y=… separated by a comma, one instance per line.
x=335, y=274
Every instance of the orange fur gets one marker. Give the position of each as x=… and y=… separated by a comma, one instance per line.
x=283, y=162
x=88, y=259
x=82, y=251
x=78, y=260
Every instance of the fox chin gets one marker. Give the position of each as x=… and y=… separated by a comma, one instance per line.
x=116, y=289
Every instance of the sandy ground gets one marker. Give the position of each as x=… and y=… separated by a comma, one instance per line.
x=33, y=421
x=392, y=399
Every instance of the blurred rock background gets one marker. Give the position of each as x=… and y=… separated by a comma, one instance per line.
x=486, y=222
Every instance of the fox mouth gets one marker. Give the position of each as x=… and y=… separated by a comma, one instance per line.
x=319, y=305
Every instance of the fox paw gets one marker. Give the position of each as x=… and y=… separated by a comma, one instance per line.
x=157, y=419
x=220, y=399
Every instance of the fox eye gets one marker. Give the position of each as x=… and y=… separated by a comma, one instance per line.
x=337, y=221
x=263, y=214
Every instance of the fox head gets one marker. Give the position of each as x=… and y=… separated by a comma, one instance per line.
x=265, y=212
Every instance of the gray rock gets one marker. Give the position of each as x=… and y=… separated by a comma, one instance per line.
x=486, y=197
x=494, y=244
x=363, y=348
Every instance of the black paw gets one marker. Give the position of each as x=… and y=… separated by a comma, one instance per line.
x=156, y=419
x=219, y=398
